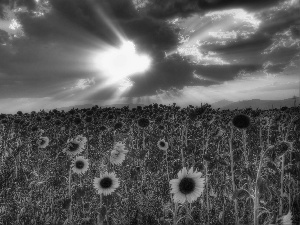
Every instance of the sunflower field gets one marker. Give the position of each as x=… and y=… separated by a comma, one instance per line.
x=156, y=164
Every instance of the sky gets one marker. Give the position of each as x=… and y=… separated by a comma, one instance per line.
x=58, y=53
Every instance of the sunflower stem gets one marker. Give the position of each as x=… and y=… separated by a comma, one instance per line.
x=207, y=194
x=88, y=141
x=168, y=171
x=70, y=192
x=175, y=214
x=143, y=139
x=232, y=176
x=281, y=185
x=290, y=188
x=256, y=193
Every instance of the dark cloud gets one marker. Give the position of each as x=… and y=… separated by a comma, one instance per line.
x=155, y=37
x=246, y=4
x=171, y=8
x=184, y=8
x=221, y=73
x=172, y=72
x=3, y=37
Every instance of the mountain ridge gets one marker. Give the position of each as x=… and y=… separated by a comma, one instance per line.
x=222, y=104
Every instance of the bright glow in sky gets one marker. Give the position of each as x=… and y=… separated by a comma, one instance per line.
x=117, y=63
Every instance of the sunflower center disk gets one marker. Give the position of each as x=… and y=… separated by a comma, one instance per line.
x=79, y=164
x=187, y=185
x=106, y=182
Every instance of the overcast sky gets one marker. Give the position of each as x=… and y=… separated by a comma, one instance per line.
x=56, y=53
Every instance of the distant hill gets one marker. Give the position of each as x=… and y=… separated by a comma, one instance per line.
x=221, y=104
x=261, y=104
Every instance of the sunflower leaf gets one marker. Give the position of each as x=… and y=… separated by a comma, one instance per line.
x=272, y=166
x=240, y=194
x=261, y=185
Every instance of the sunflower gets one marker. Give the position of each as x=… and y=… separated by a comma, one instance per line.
x=107, y=183
x=241, y=121
x=81, y=139
x=188, y=187
x=143, y=122
x=162, y=145
x=117, y=155
x=287, y=219
x=80, y=165
x=119, y=146
x=43, y=142
x=74, y=147
x=264, y=122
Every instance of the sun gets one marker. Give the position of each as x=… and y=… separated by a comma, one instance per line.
x=118, y=63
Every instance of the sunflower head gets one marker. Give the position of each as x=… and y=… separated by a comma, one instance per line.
x=102, y=128
x=74, y=147
x=88, y=119
x=161, y=127
x=264, y=121
x=162, y=144
x=106, y=184
x=81, y=139
x=77, y=120
x=43, y=142
x=143, y=122
x=188, y=187
x=80, y=165
x=57, y=122
x=118, y=153
x=241, y=121
x=89, y=113
x=118, y=125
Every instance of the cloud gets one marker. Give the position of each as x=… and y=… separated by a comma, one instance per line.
x=184, y=8
x=84, y=83
x=55, y=53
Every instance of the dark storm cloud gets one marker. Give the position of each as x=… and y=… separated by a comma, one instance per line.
x=152, y=36
x=221, y=73
x=184, y=8
x=173, y=72
x=246, y=4
x=78, y=16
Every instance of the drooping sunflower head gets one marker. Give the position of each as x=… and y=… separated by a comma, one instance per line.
x=43, y=142
x=119, y=146
x=188, y=187
x=80, y=165
x=74, y=147
x=118, y=125
x=143, y=122
x=241, y=121
x=107, y=183
x=117, y=157
x=81, y=139
x=162, y=145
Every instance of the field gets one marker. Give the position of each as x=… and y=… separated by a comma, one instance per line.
x=153, y=165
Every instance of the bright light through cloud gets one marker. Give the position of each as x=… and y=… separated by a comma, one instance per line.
x=118, y=63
